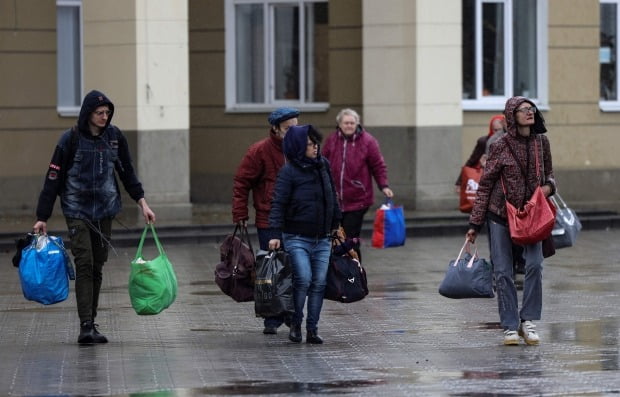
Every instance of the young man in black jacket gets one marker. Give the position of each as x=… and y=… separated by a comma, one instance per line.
x=82, y=173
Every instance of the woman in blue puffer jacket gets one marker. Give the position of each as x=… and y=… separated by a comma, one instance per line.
x=304, y=211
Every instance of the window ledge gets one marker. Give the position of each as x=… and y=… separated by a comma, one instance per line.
x=496, y=105
x=68, y=111
x=609, y=106
x=266, y=108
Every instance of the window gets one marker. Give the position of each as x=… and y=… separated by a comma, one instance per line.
x=608, y=55
x=501, y=39
x=276, y=54
x=69, y=56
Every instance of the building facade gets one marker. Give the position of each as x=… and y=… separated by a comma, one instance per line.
x=194, y=81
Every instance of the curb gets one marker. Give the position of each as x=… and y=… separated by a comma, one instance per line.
x=416, y=226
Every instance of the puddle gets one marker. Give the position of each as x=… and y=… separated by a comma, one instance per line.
x=248, y=388
x=206, y=293
x=586, y=287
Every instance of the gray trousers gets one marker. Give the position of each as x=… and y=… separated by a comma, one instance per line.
x=507, y=301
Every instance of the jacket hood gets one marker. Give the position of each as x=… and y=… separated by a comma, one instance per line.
x=92, y=101
x=511, y=124
x=496, y=117
x=295, y=143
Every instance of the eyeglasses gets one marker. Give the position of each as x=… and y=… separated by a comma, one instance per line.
x=102, y=112
x=312, y=144
x=527, y=110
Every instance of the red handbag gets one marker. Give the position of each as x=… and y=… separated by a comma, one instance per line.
x=470, y=177
x=534, y=222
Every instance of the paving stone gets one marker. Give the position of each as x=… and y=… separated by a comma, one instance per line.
x=404, y=339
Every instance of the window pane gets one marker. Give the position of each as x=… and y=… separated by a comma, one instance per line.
x=69, y=56
x=524, y=27
x=469, y=49
x=286, y=46
x=493, y=49
x=608, y=52
x=250, y=53
x=316, y=53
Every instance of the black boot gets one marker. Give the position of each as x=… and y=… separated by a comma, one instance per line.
x=98, y=337
x=295, y=333
x=87, y=336
x=313, y=337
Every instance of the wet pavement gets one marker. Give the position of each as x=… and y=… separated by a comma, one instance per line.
x=404, y=339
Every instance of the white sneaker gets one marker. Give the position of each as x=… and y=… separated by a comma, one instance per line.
x=511, y=337
x=528, y=331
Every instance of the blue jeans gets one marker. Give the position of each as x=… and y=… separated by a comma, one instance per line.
x=264, y=234
x=310, y=259
x=507, y=302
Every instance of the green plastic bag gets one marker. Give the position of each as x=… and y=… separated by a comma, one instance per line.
x=152, y=283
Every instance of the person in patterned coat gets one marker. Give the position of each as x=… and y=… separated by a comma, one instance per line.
x=512, y=160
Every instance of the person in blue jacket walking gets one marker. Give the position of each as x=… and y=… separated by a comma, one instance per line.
x=304, y=214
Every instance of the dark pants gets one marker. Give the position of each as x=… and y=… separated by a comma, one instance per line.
x=352, y=224
x=90, y=251
x=264, y=235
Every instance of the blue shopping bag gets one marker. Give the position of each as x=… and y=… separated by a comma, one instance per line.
x=389, y=226
x=467, y=276
x=45, y=269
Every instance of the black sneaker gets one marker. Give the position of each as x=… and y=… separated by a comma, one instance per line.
x=270, y=330
x=314, y=338
x=295, y=333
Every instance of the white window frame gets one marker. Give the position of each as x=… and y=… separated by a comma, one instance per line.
x=230, y=80
x=497, y=102
x=67, y=109
x=613, y=106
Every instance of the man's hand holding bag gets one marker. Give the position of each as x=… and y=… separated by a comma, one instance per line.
x=152, y=283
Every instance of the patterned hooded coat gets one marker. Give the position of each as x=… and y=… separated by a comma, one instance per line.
x=502, y=165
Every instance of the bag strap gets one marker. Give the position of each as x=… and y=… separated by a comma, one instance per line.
x=141, y=243
x=542, y=162
x=523, y=172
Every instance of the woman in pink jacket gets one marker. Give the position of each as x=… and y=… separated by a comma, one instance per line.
x=355, y=159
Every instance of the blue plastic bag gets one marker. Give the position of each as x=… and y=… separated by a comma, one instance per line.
x=389, y=226
x=45, y=269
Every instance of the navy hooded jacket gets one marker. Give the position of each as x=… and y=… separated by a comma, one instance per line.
x=304, y=199
x=82, y=169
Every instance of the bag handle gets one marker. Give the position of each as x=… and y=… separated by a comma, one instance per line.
x=141, y=243
x=244, y=236
x=467, y=248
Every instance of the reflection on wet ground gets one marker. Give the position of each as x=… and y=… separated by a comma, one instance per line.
x=404, y=339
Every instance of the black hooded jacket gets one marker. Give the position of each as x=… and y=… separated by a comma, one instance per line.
x=82, y=169
x=304, y=199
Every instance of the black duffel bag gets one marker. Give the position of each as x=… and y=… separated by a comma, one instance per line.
x=235, y=272
x=346, y=279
